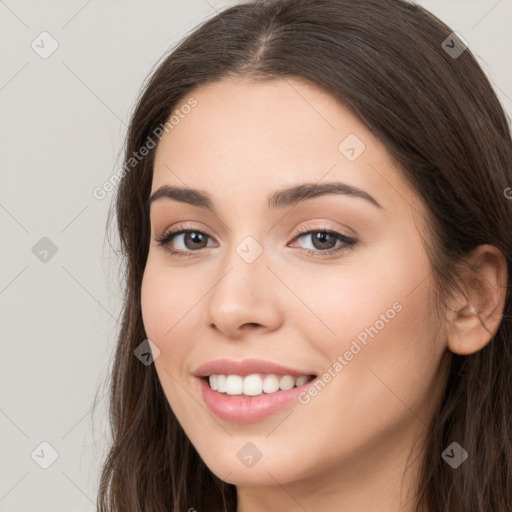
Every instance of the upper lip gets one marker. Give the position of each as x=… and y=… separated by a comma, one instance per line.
x=245, y=367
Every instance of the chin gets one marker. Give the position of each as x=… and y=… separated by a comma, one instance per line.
x=260, y=474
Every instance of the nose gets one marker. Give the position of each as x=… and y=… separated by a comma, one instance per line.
x=245, y=298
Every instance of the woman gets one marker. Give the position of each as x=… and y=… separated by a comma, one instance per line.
x=316, y=229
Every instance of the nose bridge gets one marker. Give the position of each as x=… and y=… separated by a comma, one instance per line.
x=244, y=292
x=243, y=275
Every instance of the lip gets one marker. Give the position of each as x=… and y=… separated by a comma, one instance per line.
x=242, y=408
x=246, y=367
x=247, y=409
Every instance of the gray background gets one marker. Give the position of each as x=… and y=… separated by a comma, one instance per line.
x=62, y=124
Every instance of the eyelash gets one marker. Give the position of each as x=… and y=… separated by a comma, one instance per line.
x=347, y=242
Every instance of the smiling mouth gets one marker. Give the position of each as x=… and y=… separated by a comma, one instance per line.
x=255, y=384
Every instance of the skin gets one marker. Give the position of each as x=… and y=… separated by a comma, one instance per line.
x=348, y=448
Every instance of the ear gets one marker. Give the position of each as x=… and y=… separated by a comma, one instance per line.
x=475, y=317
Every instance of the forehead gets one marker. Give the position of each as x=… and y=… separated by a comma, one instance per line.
x=261, y=119
x=243, y=135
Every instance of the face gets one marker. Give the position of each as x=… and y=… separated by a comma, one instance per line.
x=328, y=281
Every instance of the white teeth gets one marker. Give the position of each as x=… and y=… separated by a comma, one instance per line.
x=234, y=385
x=255, y=384
x=252, y=385
x=221, y=383
x=270, y=384
x=301, y=381
x=287, y=382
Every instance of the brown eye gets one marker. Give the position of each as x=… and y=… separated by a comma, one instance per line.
x=191, y=240
x=324, y=241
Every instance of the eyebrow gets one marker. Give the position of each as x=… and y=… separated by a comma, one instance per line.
x=279, y=199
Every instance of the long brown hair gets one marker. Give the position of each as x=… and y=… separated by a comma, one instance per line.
x=438, y=116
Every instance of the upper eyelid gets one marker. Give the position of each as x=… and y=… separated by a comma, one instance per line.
x=300, y=231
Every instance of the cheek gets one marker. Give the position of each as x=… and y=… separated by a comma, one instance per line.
x=165, y=298
x=379, y=317
x=373, y=290
x=391, y=349
x=164, y=307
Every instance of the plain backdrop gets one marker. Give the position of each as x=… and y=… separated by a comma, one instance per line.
x=63, y=118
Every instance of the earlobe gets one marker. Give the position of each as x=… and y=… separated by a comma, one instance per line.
x=477, y=315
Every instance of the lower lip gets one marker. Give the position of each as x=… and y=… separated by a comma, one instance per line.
x=246, y=409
